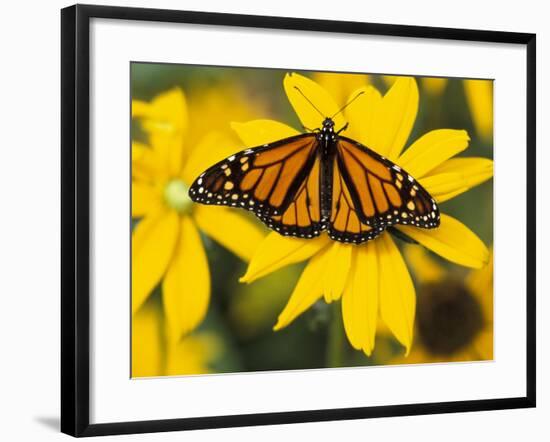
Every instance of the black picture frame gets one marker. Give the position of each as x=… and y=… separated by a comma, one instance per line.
x=75, y=212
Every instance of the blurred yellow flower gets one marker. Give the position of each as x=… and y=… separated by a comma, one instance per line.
x=433, y=86
x=341, y=86
x=153, y=355
x=479, y=96
x=214, y=107
x=372, y=279
x=455, y=316
x=166, y=244
x=428, y=269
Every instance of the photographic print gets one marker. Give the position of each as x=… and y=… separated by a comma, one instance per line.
x=288, y=219
x=275, y=227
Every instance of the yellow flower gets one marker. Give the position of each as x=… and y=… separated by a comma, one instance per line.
x=166, y=244
x=479, y=96
x=372, y=279
x=455, y=316
x=433, y=86
x=341, y=86
x=214, y=107
x=154, y=355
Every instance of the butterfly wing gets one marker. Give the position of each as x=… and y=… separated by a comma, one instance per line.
x=302, y=216
x=281, y=183
x=345, y=222
x=265, y=180
x=382, y=193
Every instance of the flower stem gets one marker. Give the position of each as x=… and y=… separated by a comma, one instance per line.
x=335, y=347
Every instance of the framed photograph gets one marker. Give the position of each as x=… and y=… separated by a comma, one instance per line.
x=306, y=220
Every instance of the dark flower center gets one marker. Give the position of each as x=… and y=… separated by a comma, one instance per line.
x=448, y=317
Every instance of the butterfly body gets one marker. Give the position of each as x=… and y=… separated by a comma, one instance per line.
x=327, y=140
x=308, y=183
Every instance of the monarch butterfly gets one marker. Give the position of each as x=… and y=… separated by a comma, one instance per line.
x=320, y=180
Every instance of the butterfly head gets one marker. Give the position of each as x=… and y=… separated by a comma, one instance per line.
x=328, y=124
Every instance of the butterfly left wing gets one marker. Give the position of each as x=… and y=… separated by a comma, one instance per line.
x=264, y=179
x=383, y=194
x=302, y=216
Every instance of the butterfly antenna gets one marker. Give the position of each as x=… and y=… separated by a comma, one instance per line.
x=348, y=103
x=309, y=101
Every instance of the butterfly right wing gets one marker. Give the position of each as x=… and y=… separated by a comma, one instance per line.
x=383, y=192
x=265, y=180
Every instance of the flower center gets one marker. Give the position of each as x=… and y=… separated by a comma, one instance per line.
x=176, y=196
x=449, y=317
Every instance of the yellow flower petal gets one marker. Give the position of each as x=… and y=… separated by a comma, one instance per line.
x=259, y=132
x=479, y=94
x=361, y=116
x=360, y=298
x=231, y=228
x=215, y=107
x=165, y=120
x=483, y=345
x=471, y=172
x=277, y=251
x=480, y=283
x=443, y=186
x=192, y=354
x=317, y=95
x=170, y=150
x=309, y=289
x=452, y=240
x=212, y=148
x=341, y=86
x=394, y=118
x=186, y=286
x=432, y=149
x=167, y=112
x=397, y=295
x=434, y=86
x=145, y=199
x=140, y=108
x=153, y=242
x=418, y=355
x=338, y=265
x=147, y=344
x=389, y=80
x=139, y=150
x=442, y=182
x=146, y=165
x=425, y=268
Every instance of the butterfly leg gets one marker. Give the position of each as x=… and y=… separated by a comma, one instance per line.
x=307, y=129
x=343, y=128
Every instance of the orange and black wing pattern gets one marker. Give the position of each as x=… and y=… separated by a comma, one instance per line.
x=346, y=223
x=382, y=193
x=302, y=216
x=283, y=184
x=274, y=181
